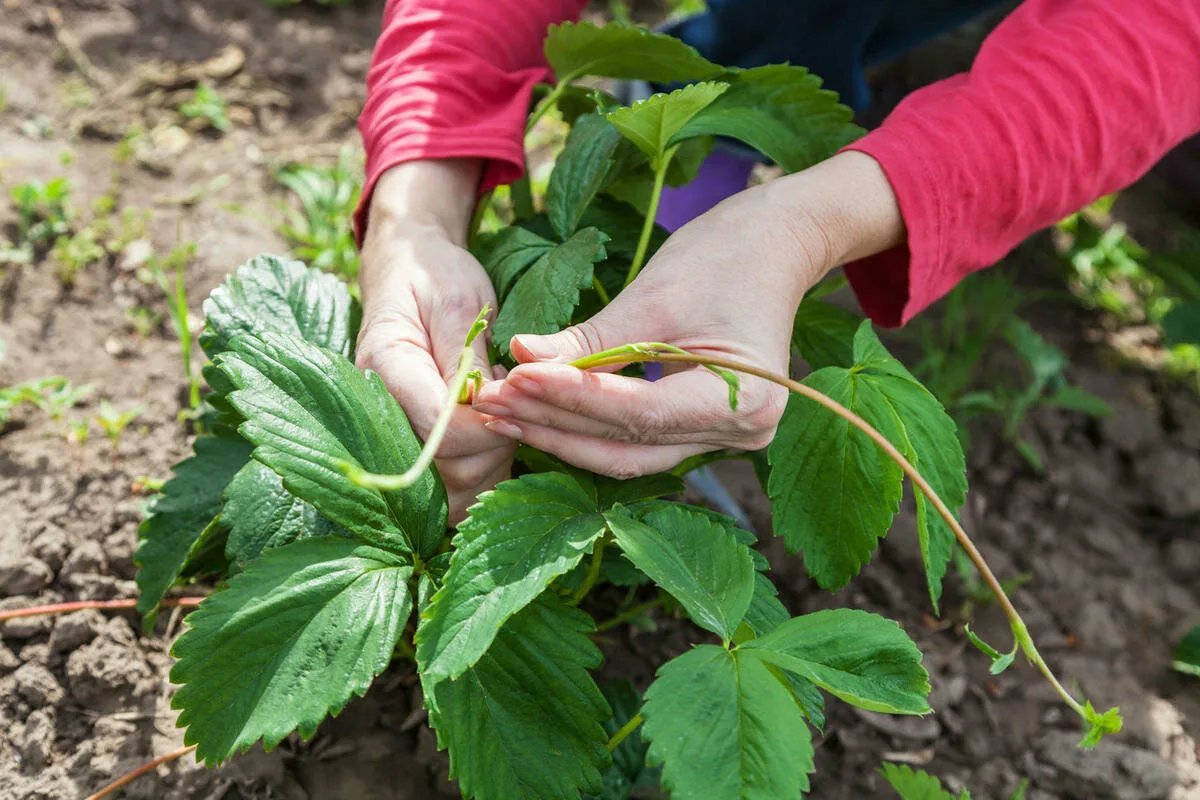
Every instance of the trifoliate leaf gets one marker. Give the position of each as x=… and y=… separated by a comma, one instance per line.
x=782, y=112
x=517, y=539
x=262, y=515
x=506, y=254
x=1187, y=653
x=915, y=784
x=580, y=171
x=310, y=412
x=652, y=123
x=545, y=296
x=863, y=658
x=275, y=293
x=824, y=334
x=1099, y=725
x=693, y=558
x=529, y=696
x=575, y=49
x=189, y=502
x=724, y=727
x=833, y=491
x=289, y=641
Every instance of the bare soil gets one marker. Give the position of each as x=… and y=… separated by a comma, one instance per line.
x=1107, y=536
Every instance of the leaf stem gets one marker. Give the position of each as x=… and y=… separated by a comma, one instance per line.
x=646, y=352
x=601, y=291
x=593, y=573
x=639, y=255
x=633, y=612
x=623, y=733
x=80, y=605
x=132, y=775
x=372, y=480
x=548, y=102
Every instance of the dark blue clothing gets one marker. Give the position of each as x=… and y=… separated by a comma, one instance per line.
x=836, y=39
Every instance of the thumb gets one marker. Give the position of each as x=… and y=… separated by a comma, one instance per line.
x=611, y=327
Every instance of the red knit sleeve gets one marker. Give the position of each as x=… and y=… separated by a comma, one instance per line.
x=453, y=78
x=1067, y=100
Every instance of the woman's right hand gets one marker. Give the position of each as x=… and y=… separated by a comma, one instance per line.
x=421, y=290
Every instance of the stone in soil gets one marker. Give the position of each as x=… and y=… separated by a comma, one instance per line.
x=1113, y=771
x=24, y=575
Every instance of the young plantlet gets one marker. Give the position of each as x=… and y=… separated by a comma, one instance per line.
x=207, y=109
x=114, y=422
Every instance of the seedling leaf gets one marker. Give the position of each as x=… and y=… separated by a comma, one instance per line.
x=308, y=411
x=653, y=123
x=723, y=724
x=287, y=642
x=273, y=293
x=190, y=500
x=1000, y=661
x=915, y=784
x=863, y=658
x=694, y=558
x=518, y=538
x=1099, y=725
x=782, y=112
x=575, y=49
x=529, y=696
x=544, y=297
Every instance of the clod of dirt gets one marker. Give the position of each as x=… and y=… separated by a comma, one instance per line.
x=51, y=546
x=75, y=630
x=37, y=740
x=1112, y=771
x=36, y=685
x=1172, y=480
x=1183, y=559
x=24, y=576
x=912, y=728
x=87, y=557
x=1132, y=427
x=106, y=674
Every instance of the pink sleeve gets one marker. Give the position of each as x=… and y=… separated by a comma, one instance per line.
x=1067, y=100
x=453, y=78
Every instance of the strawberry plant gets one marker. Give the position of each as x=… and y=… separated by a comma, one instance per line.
x=314, y=505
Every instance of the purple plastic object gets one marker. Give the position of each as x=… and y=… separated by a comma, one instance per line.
x=722, y=174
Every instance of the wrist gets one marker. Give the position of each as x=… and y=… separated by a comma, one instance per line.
x=843, y=209
x=427, y=197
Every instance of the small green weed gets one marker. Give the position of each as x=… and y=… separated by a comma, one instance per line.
x=114, y=422
x=319, y=230
x=207, y=109
x=53, y=395
x=168, y=274
x=917, y=784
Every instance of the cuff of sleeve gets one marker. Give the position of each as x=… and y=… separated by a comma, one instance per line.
x=895, y=285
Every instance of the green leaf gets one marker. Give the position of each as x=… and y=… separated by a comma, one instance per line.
x=628, y=769
x=262, y=515
x=623, y=224
x=506, y=254
x=545, y=296
x=693, y=558
x=518, y=538
x=575, y=49
x=725, y=727
x=1187, y=653
x=525, y=720
x=580, y=171
x=915, y=784
x=274, y=293
x=189, y=502
x=929, y=440
x=782, y=112
x=824, y=334
x=1181, y=325
x=287, y=642
x=309, y=412
x=652, y=123
x=1099, y=725
x=863, y=658
x=834, y=492
x=766, y=612
x=1000, y=661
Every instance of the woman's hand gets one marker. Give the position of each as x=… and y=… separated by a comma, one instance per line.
x=421, y=291
x=726, y=284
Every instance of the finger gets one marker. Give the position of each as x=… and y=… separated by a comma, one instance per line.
x=414, y=380
x=616, y=459
x=690, y=406
x=505, y=401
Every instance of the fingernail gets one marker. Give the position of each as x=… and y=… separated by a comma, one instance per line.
x=504, y=429
x=525, y=385
x=537, y=347
x=495, y=409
